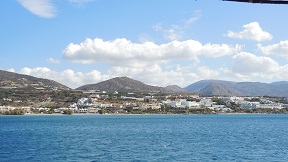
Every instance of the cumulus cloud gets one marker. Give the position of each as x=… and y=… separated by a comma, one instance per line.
x=41, y=72
x=53, y=61
x=126, y=53
x=249, y=67
x=279, y=49
x=163, y=76
x=283, y=72
x=207, y=73
x=249, y=64
x=155, y=75
x=67, y=77
x=251, y=31
x=246, y=67
x=41, y=8
x=11, y=70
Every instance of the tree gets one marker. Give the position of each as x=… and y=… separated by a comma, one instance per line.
x=14, y=112
x=68, y=112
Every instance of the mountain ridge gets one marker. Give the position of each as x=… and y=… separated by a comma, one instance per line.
x=15, y=80
x=126, y=84
x=10, y=80
x=219, y=89
x=277, y=89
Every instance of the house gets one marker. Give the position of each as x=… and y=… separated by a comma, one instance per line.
x=190, y=104
x=207, y=102
x=249, y=105
x=174, y=104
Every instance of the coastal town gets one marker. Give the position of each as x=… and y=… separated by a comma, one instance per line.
x=102, y=102
x=26, y=95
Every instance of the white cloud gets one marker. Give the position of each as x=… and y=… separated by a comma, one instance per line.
x=126, y=53
x=145, y=38
x=249, y=64
x=249, y=67
x=67, y=77
x=163, y=76
x=194, y=18
x=219, y=50
x=251, y=31
x=283, y=72
x=11, y=70
x=41, y=72
x=207, y=73
x=53, y=61
x=177, y=32
x=41, y=8
x=246, y=67
x=279, y=49
x=155, y=75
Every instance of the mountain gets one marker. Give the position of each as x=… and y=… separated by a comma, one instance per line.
x=196, y=87
x=121, y=84
x=175, y=88
x=220, y=87
x=125, y=84
x=10, y=80
x=280, y=83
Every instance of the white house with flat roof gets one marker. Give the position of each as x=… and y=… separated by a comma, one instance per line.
x=190, y=104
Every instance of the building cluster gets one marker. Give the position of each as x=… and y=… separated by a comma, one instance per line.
x=115, y=103
x=23, y=83
x=245, y=102
x=96, y=103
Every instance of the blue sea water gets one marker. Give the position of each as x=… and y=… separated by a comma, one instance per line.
x=144, y=138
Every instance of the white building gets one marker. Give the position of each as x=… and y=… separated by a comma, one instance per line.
x=249, y=105
x=190, y=104
x=207, y=102
x=174, y=104
x=82, y=101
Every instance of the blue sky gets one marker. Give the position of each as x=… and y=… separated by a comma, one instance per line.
x=77, y=42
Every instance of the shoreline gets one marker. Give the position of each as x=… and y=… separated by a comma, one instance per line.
x=121, y=114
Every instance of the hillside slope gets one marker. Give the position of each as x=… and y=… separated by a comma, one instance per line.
x=220, y=87
x=10, y=80
x=125, y=84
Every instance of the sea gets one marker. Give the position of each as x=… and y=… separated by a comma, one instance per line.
x=141, y=138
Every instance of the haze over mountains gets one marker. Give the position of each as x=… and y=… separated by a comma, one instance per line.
x=125, y=84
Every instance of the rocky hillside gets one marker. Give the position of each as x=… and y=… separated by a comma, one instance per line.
x=220, y=87
x=125, y=84
x=175, y=88
x=10, y=80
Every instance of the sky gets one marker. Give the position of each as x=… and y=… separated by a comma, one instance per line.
x=158, y=42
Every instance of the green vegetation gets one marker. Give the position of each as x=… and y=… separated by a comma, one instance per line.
x=252, y=99
x=68, y=112
x=14, y=112
x=39, y=98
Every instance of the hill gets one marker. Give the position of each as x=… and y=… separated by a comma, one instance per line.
x=220, y=87
x=10, y=80
x=125, y=84
x=175, y=88
x=198, y=86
